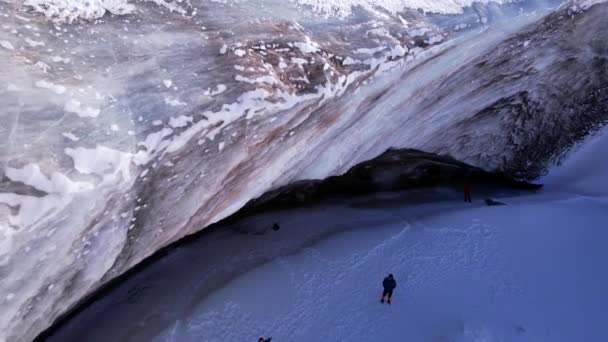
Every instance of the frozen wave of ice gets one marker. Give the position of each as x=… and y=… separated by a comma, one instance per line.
x=123, y=134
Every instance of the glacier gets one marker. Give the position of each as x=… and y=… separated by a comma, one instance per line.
x=527, y=271
x=127, y=126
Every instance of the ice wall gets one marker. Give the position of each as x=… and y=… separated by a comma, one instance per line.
x=127, y=131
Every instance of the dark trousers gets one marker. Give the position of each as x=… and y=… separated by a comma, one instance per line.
x=388, y=293
x=467, y=197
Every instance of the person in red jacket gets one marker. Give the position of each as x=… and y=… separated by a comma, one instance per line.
x=467, y=192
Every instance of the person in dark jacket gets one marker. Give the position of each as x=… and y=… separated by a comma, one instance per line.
x=389, y=285
x=467, y=192
x=261, y=339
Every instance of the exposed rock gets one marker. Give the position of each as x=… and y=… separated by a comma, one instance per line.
x=490, y=202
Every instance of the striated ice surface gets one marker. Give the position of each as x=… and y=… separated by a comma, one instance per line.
x=126, y=126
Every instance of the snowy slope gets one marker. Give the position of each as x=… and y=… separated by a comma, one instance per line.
x=585, y=171
x=527, y=272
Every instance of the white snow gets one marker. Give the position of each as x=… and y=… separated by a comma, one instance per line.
x=33, y=43
x=398, y=51
x=167, y=83
x=71, y=10
x=224, y=49
x=263, y=79
x=173, y=102
x=7, y=45
x=371, y=51
x=218, y=90
x=585, y=171
x=299, y=61
x=59, y=59
x=240, y=52
x=435, y=39
x=343, y=8
x=152, y=142
x=103, y=161
x=584, y=4
x=42, y=66
x=348, y=61
x=12, y=87
x=56, y=88
x=308, y=46
x=74, y=106
x=482, y=274
x=31, y=174
x=70, y=136
x=180, y=121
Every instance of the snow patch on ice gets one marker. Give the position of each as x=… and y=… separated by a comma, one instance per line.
x=585, y=4
x=180, y=121
x=308, y=46
x=56, y=88
x=371, y=51
x=263, y=79
x=7, y=45
x=59, y=59
x=218, y=90
x=33, y=43
x=12, y=87
x=343, y=8
x=173, y=102
x=299, y=61
x=74, y=106
x=348, y=61
x=42, y=66
x=71, y=10
x=70, y=136
x=103, y=161
x=59, y=183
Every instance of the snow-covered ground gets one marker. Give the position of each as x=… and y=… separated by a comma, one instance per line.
x=533, y=270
